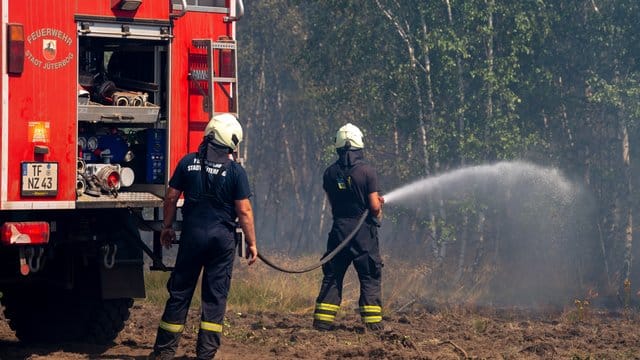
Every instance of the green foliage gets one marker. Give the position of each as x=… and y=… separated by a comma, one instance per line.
x=437, y=85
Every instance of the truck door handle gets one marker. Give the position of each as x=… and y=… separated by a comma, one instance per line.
x=116, y=117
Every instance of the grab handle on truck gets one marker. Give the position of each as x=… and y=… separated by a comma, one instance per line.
x=117, y=117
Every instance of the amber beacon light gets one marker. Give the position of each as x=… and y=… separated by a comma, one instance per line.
x=126, y=5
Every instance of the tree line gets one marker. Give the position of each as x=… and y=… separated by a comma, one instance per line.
x=444, y=85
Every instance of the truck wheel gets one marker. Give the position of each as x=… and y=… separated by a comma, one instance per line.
x=109, y=319
x=56, y=318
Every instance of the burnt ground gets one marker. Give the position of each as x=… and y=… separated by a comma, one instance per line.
x=443, y=334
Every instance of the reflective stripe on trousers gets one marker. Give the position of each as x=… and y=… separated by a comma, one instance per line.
x=371, y=314
x=325, y=312
x=209, y=326
x=173, y=328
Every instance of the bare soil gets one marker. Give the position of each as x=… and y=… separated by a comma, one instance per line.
x=417, y=334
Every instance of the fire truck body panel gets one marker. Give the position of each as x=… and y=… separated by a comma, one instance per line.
x=150, y=10
x=39, y=114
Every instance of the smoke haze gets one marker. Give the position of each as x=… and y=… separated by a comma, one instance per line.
x=510, y=233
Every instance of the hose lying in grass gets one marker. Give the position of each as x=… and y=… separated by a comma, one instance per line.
x=323, y=260
x=142, y=224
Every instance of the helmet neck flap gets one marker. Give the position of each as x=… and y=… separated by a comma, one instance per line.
x=210, y=150
x=349, y=157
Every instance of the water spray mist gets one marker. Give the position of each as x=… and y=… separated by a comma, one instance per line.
x=507, y=233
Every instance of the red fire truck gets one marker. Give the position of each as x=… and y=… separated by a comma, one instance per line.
x=100, y=99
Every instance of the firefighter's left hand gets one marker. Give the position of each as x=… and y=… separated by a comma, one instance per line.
x=167, y=237
x=252, y=254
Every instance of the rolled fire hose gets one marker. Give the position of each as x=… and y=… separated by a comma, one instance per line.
x=80, y=185
x=137, y=101
x=80, y=166
x=121, y=101
x=323, y=260
x=80, y=181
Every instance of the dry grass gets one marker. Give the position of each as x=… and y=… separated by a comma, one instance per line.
x=155, y=286
x=403, y=284
x=261, y=288
x=256, y=287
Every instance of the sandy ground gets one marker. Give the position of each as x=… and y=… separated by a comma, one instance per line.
x=443, y=334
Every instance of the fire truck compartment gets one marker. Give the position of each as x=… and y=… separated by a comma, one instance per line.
x=122, y=114
x=121, y=80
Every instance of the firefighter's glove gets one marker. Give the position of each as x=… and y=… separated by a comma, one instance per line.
x=167, y=237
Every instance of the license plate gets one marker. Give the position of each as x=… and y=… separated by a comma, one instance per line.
x=39, y=179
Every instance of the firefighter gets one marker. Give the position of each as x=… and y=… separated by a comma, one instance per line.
x=214, y=196
x=351, y=185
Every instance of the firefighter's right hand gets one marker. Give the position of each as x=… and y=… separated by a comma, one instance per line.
x=167, y=237
x=252, y=254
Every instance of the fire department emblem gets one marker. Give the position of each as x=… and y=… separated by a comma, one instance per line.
x=48, y=58
x=49, y=49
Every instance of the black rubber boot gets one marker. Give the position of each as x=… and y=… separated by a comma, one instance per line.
x=322, y=325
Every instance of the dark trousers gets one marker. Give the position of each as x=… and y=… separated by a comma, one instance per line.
x=364, y=254
x=210, y=250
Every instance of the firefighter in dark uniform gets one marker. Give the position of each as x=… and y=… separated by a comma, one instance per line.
x=214, y=196
x=352, y=187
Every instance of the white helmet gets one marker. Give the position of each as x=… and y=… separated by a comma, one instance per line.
x=226, y=130
x=349, y=133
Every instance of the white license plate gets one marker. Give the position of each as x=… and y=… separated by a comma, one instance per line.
x=39, y=179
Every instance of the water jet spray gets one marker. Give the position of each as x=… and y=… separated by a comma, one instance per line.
x=483, y=177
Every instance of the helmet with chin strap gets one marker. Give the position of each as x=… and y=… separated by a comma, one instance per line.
x=349, y=136
x=226, y=130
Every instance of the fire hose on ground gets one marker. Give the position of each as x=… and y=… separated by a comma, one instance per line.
x=142, y=224
x=324, y=259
